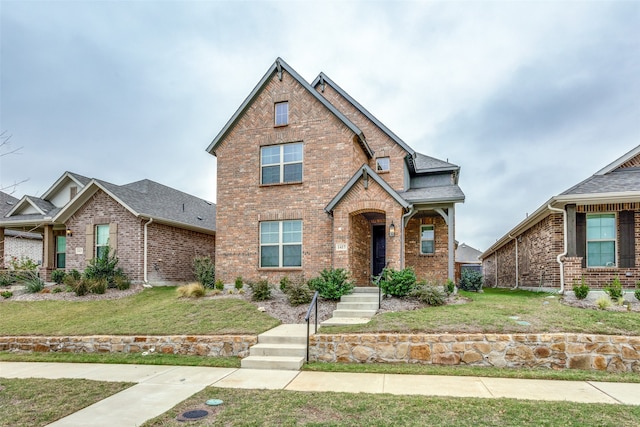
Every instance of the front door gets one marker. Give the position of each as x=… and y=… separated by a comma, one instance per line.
x=379, y=249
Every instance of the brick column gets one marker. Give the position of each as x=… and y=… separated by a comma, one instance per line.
x=2, y=248
x=48, y=253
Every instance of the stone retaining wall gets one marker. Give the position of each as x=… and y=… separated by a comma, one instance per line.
x=556, y=351
x=201, y=345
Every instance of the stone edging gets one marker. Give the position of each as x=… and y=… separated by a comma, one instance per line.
x=556, y=351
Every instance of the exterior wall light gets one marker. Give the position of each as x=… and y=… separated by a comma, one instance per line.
x=69, y=233
x=392, y=230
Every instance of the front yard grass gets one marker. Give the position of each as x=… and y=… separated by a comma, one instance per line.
x=31, y=402
x=290, y=408
x=492, y=312
x=155, y=311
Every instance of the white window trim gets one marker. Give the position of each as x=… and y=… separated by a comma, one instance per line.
x=281, y=244
x=275, y=114
x=282, y=163
x=433, y=227
x=97, y=245
x=614, y=239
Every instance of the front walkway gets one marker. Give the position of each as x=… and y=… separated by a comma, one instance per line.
x=159, y=388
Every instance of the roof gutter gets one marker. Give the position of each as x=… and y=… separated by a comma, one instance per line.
x=145, y=250
x=405, y=219
x=517, y=269
x=564, y=253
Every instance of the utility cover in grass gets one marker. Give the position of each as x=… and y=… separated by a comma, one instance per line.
x=195, y=414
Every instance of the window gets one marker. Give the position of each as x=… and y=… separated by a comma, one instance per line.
x=102, y=239
x=382, y=164
x=427, y=239
x=281, y=244
x=601, y=240
x=61, y=251
x=281, y=163
x=282, y=113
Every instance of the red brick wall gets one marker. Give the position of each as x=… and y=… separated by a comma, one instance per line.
x=360, y=241
x=171, y=251
x=429, y=266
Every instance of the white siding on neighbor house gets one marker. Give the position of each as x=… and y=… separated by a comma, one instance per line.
x=22, y=248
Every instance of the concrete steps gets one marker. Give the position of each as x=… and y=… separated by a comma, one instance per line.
x=356, y=308
x=283, y=347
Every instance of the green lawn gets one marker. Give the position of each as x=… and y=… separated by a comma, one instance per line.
x=32, y=402
x=155, y=311
x=291, y=408
x=491, y=310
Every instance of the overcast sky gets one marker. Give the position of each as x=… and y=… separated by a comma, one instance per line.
x=529, y=98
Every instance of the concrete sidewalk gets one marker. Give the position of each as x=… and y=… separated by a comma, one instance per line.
x=159, y=388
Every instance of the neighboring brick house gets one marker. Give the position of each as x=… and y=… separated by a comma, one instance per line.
x=309, y=179
x=590, y=230
x=467, y=258
x=155, y=231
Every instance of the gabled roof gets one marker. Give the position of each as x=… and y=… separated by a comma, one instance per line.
x=80, y=180
x=42, y=206
x=277, y=68
x=467, y=255
x=365, y=171
x=619, y=162
x=323, y=79
x=422, y=164
x=7, y=202
x=148, y=199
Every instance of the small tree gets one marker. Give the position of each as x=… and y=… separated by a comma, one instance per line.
x=205, y=271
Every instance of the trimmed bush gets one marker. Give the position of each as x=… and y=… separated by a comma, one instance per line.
x=614, y=289
x=636, y=293
x=261, y=290
x=471, y=281
x=285, y=282
x=429, y=293
x=219, y=285
x=298, y=293
x=332, y=283
x=398, y=283
x=449, y=287
x=6, y=294
x=581, y=291
x=58, y=276
x=238, y=283
x=205, y=271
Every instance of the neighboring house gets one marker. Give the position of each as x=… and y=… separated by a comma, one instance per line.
x=590, y=230
x=17, y=244
x=467, y=258
x=155, y=231
x=309, y=179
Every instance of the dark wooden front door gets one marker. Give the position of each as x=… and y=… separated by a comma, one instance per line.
x=379, y=249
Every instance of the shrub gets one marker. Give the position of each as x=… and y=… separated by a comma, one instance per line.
x=22, y=264
x=96, y=286
x=6, y=278
x=192, y=290
x=581, y=291
x=238, y=283
x=6, y=294
x=449, y=287
x=285, y=282
x=205, y=271
x=636, y=293
x=470, y=280
x=32, y=283
x=430, y=294
x=398, y=283
x=58, y=276
x=219, y=285
x=332, y=283
x=603, y=302
x=614, y=289
x=79, y=286
x=121, y=282
x=74, y=274
x=56, y=290
x=261, y=290
x=104, y=267
x=298, y=293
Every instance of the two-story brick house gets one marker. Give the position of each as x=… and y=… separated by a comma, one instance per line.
x=309, y=179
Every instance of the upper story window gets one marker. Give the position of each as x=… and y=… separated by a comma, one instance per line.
x=427, y=239
x=281, y=163
x=601, y=240
x=282, y=113
x=383, y=164
x=102, y=240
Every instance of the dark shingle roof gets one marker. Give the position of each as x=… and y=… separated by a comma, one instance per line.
x=7, y=202
x=425, y=163
x=150, y=198
x=44, y=205
x=620, y=180
x=446, y=193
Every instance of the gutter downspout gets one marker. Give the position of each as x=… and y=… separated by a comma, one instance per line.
x=405, y=219
x=517, y=261
x=145, y=250
x=564, y=253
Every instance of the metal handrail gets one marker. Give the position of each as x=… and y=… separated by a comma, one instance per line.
x=314, y=302
x=376, y=282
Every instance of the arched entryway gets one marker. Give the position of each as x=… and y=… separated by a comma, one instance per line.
x=368, y=245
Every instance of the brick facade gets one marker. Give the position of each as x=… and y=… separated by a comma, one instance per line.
x=427, y=266
x=170, y=249
x=20, y=247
